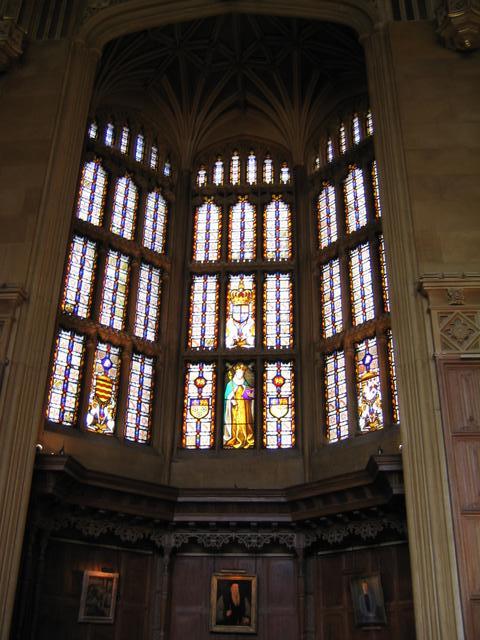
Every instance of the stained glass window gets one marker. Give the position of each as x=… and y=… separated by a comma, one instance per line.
x=331, y=296
x=239, y=414
x=369, y=123
x=114, y=294
x=284, y=173
x=202, y=176
x=93, y=130
x=148, y=302
x=342, y=138
x=354, y=194
x=139, y=147
x=167, y=168
x=383, y=271
x=251, y=168
x=327, y=216
x=62, y=405
x=330, y=150
x=336, y=397
x=199, y=405
x=91, y=198
x=241, y=234
x=155, y=222
x=240, y=322
x=268, y=170
x=102, y=403
x=277, y=242
x=356, y=129
x=361, y=284
x=109, y=134
x=218, y=172
x=392, y=376
x=124, y=208
x=278, y=405
x=77, y=291
x=235, y=168
x=278, y=311
x=203, y=320
x=376, y=192
x=140, y=397
x=124, y=139
x=207, y=232
x=154, y=157
x=369, y=396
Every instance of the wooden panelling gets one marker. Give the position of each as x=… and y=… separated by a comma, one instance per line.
x=462, y=397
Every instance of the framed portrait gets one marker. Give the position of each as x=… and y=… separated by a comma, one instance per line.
x=368, y=603
x=99, y=595
x=233, y=603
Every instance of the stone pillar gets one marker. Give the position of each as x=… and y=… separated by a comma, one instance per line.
x=434, y=570
x=28, y=369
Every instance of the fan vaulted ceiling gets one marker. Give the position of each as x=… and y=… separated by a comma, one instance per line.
x=209, y=79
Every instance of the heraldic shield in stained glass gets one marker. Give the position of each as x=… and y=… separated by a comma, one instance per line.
x=238, y=419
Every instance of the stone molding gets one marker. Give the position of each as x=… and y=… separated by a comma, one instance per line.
x=11, y=42
x=454, y=307
x=459, y=24
x=11, y=298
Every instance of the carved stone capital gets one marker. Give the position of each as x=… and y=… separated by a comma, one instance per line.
x=454, y=305
x=11, y=298
x=11, y=42
x=459, y=24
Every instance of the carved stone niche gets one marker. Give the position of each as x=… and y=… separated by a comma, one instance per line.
x=459, y=24
x=11, y=42
x=11, y=298
x=454, y=305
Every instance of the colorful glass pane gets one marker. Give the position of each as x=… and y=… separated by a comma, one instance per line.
x=93, y=130
x=238, y=416
x=331, y=296
x=155, y=225
x=284, y=173
x=354, y=194
x=376, y=192
x=124, y=208
x=327, y=216
x=316, y=164
x=109, y=134
x=336, y=397
x=251, y=168
x=393, y=376
x=383, y=271
x=140, y=399
x=361, y=284
x=218, y=172
x=278, y=405
x=268, y=170
x=167, y=169
x=202, y=176
x=241, y=236
x=124, y=139
x=154, y=157
x=203, y=320
x=102, y=402
x=77, y=291
x=235, y=168
x=278, y=311
x=199, y=406
x=65, y=379
x=91, y=197
x=277, y=239
x=342, y=138
x=139, y=147
x=240, y=323
x=114, y=294
x=207, y=232
x=330, y=150
x=148, y=302
x=369, y=123
x=369, y=395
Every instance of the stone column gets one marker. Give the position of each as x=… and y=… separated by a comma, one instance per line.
x=434, y=571
x=29, y=367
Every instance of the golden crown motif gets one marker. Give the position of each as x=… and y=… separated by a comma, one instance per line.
x=241, y=295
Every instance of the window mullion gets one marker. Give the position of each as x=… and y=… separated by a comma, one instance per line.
x=386, y=391
x=87, y=379
x=352, y=399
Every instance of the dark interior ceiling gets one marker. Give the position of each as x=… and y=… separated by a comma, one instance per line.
x=205, y=80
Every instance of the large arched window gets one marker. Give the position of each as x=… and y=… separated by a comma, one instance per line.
x=107, y=341
x=240, y=355
x=356, y=343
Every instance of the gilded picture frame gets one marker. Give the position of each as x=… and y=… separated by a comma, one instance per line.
x=98, y=598
x=233, y=603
